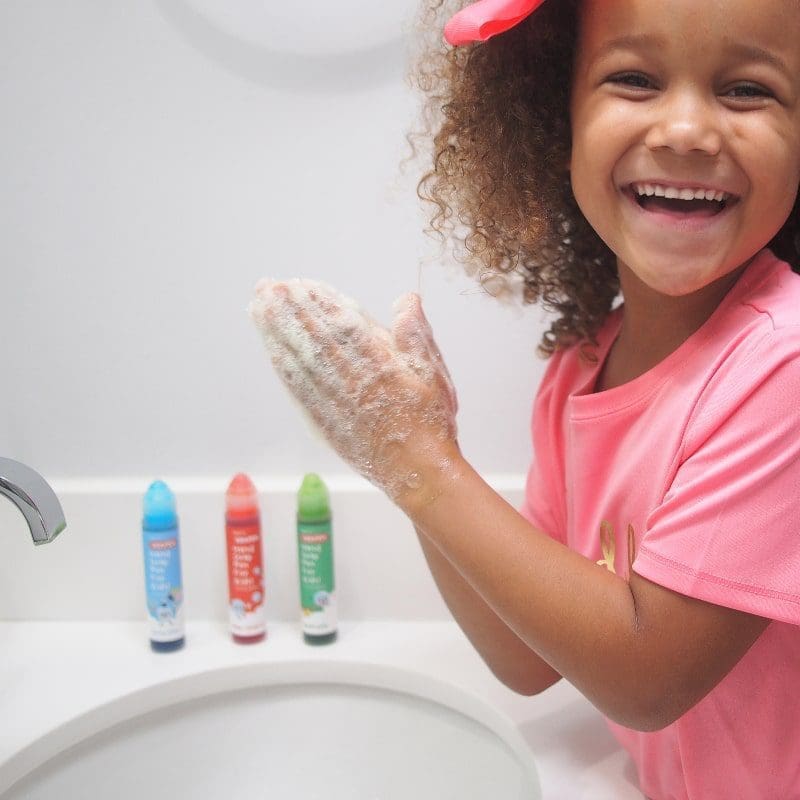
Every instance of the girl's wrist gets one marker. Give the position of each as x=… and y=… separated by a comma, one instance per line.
x=431, y=477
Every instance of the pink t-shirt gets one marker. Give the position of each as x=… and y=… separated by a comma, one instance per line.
x=697, y=462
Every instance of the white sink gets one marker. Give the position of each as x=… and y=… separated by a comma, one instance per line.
x=332, y=736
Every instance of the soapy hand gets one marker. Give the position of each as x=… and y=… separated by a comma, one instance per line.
x=382, y=398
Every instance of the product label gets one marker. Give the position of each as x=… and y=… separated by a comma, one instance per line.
x=163, y=585
x=317, y=589
x=245, y=580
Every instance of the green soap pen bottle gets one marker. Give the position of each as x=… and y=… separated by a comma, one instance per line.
x=315, y=561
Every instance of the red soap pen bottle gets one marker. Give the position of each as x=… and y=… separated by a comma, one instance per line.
x=245, y=562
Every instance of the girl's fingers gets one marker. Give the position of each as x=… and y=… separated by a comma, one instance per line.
x=308, y=325
x=293, y=341
x=319, y=405
x=347, y=341
x=311, y=330
x=368, y=390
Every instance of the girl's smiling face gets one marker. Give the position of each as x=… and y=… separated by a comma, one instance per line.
x=686, y=99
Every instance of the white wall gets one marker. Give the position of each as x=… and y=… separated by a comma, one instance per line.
x=94, y=571
x=152, y=168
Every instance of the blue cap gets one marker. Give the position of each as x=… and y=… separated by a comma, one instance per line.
x=159, y=508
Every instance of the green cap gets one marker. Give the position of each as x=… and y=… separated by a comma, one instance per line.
x=312, y=500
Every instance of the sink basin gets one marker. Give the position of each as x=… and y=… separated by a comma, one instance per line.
x=373, y=735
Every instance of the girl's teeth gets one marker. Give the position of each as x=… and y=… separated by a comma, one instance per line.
x=671, y=193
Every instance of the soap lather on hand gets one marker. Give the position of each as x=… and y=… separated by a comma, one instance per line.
x=382, y=398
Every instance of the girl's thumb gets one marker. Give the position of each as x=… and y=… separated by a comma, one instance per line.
x=410, y=328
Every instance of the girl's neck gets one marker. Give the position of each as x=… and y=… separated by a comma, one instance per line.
x=654, y=325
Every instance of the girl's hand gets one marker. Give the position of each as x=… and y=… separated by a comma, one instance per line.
x=383, y=399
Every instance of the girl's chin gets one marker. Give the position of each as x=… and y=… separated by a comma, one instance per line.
x=673, y=276
x=678, y=286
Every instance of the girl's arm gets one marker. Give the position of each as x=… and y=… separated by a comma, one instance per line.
x=509, y=658
x=641, y=653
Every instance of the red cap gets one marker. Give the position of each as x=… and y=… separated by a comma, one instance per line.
x=241, y=499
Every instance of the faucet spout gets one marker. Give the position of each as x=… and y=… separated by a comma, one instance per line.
x=34, y=497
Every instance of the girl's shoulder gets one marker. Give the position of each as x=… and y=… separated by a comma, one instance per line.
x=770, y=287
x=748, y=364
x=754, y=331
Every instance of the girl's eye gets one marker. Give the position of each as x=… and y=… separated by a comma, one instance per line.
x=748, y=91
x=633, y=80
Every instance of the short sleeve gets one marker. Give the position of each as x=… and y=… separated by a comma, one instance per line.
x=728, y=528
x=544, y=482
x=536, y=506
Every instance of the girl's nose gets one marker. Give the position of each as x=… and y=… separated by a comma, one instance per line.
x=685, y=124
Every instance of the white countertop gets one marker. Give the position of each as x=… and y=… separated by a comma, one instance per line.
x=63, y=681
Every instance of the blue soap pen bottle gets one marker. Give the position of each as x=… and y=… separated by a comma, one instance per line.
x=162, y=569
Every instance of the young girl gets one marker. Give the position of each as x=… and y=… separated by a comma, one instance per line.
x=599, y=147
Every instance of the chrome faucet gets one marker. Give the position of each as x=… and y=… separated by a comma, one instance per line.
x=32, y=495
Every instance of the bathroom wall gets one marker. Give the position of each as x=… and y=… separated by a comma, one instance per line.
x=93, y=571
x=157, y=157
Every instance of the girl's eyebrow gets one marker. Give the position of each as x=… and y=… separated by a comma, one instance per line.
x=746, y=52
x=738, y=50
x=638, y=41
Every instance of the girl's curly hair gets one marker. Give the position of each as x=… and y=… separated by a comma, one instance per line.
x=497, y=117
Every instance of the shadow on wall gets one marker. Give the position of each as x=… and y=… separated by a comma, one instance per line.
x=345, y=66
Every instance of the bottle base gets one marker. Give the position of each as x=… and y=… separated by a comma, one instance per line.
x=323, y=638
x=259, y=637
x=167, y=647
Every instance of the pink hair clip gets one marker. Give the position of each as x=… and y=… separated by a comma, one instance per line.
x=486, y=18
